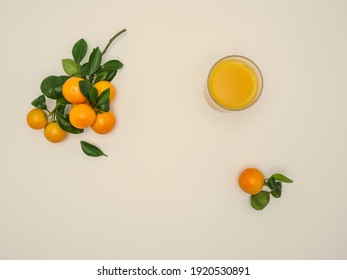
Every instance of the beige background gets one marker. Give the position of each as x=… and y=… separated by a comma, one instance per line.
x=168, y=189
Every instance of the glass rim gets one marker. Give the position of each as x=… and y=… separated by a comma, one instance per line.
x=257, y=71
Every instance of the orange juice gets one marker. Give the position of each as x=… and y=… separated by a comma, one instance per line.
x=234, y=83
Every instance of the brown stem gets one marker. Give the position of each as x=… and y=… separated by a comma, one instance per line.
x=111, y=40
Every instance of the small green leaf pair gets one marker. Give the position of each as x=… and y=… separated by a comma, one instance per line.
x=40, y=102
x=260, y=200
x=107, y=71
x=79, y=51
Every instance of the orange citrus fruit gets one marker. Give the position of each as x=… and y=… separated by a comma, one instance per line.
x=54, y=133
x=71, y=91
x=82, y=115
x=103, y=85
x=104, y=122
x=251, y=180
x=37, y=118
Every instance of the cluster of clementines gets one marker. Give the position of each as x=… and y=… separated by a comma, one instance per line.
x=38, y=119
x=83, y=113
x=82, y=98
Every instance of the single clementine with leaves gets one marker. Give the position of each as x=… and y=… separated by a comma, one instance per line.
x=252, y=181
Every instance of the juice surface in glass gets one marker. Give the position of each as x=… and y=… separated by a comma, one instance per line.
x=234, y=83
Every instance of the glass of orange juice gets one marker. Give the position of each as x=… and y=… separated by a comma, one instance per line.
x=234, y=83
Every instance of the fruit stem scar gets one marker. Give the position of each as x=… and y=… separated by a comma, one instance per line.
x=111, y=40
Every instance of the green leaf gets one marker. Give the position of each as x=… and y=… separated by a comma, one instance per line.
x=113, y=65
x=93, y=95
x=100, y=76
x=281, y=178
x=91, y=150
x=79, y=50
x=104, y=97
x=88, y=90
x=40, y=102
x=60, y=109
x=64, y=78
x=105, y=107
x=62, y=101
x=103, y=101
x=70, y=66
x=277, y=192
x=260, y=200
x=85, y=87
x=51, y=87
x=94, y=60
x=271, y=183
x=111, y=75
x=65, y=124
x=84, y=70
